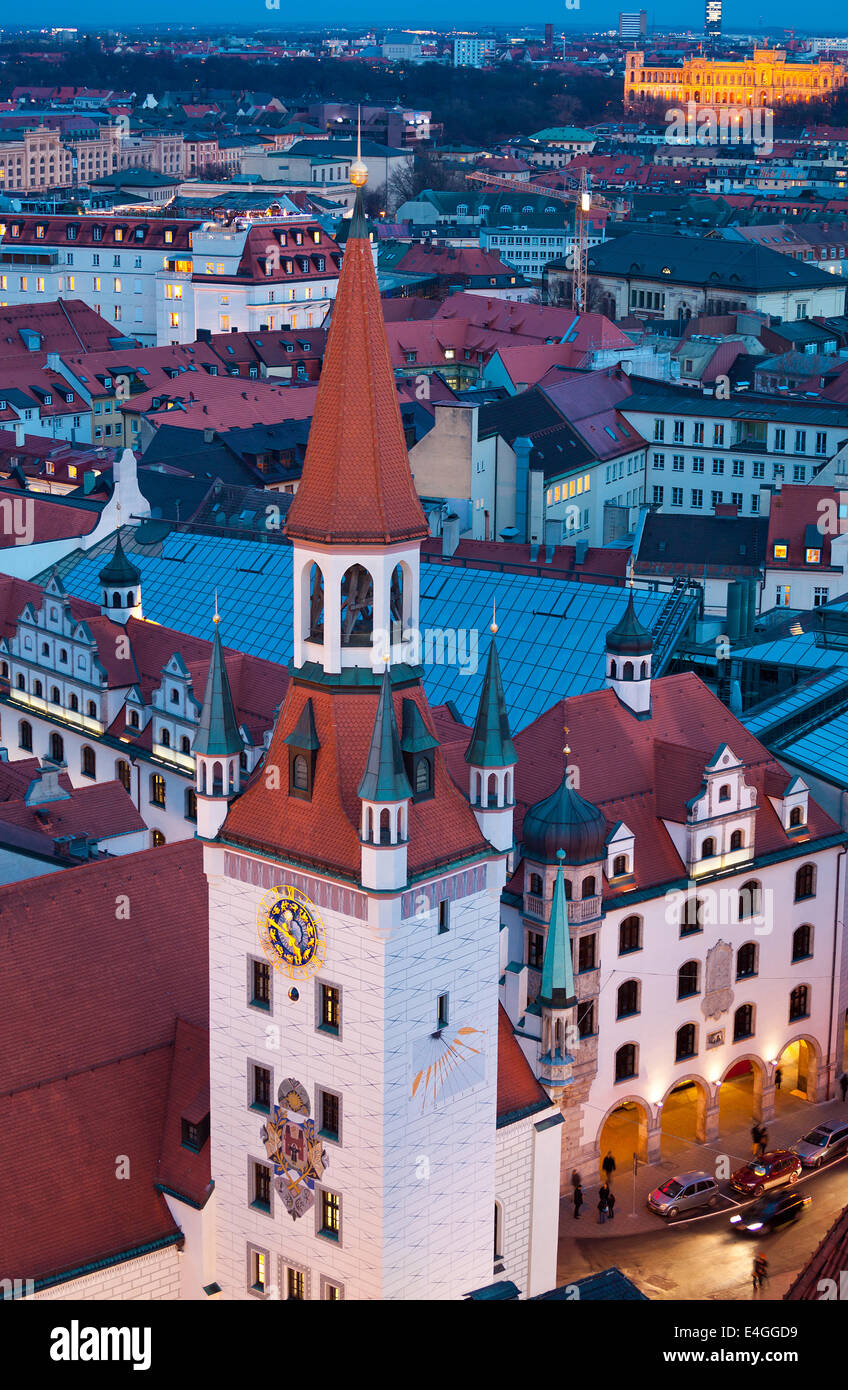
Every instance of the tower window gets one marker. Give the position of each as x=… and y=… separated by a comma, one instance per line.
x=357, y=618
x=261, y=1089
x=442, y=1012
x=260, y=984
x=329, y=1009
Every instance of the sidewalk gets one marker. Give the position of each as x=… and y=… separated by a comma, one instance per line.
x=685, y=1156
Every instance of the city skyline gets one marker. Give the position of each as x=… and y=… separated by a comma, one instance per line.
x=587, y=17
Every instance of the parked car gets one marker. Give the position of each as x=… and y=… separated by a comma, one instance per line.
x=774, y=1169
x=686, y=1192
x=769, y=1213
x=824, y=1142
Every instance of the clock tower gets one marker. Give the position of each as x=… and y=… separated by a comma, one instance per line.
x=354, y=903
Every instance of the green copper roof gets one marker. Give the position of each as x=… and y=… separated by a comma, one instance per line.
x=385, y=777
x=358, y=222
x=491, y=745
x=218, y=732
x=119, y=571
x=416, y=737
x=304, y=734
x=557, y=988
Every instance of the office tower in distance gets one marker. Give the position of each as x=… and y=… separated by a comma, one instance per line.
x=633, y=25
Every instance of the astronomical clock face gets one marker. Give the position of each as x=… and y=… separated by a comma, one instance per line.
x=291, y=932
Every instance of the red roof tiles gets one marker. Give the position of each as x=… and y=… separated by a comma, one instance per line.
x=100, y=1066
x=518, y=1089
x=325, y=830
x=356, y=485
x=643, y=771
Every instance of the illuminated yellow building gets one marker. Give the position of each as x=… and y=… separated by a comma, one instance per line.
x=766, y=79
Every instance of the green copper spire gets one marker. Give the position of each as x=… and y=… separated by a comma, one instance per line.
x=557, y=988
x=218, y=732
x=385, y=776
x=491, y=745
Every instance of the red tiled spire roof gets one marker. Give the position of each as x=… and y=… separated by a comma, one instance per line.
x=357, y=485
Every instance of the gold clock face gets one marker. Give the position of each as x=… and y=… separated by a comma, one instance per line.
x=291, y=932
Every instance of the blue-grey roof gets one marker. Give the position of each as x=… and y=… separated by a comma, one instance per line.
x=607, y=1284
x=550, y=639
x=792, y=704
x=824, y=751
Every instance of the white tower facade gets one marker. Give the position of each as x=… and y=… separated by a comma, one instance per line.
x=354, y=909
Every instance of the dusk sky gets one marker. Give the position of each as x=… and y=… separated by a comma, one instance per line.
x=818, y=17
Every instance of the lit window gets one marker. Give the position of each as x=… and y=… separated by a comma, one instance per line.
x=781, y=550
x=813, y=557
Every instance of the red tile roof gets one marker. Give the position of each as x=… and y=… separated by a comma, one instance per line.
x=50, y=520
x=356, y=484
x=97, y=1065
x=643, y=771
x=325, y=831
x=518, y=1089
x=84, y=229
x=180, y=1169
x=65, y=325
x=792, y=510
x=102, y=810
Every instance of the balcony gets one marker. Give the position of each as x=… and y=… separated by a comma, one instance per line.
x=579, y=910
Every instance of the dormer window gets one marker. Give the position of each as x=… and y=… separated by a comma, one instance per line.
x=619, y=866
x=781, y=550
x=796, y=816
x=194, y=1134
x=417, y=746
x=813, y=557
x=303, y=745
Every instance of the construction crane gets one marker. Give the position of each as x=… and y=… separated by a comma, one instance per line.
x=584, y=201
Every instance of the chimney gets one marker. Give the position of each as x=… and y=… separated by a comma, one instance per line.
x=45, y=786
x=20, y=433
x=208, y=436
x=450, y=534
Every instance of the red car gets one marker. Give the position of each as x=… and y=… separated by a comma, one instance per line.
x=774, y=1169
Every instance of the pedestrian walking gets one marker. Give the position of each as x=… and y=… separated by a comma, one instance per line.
x=755, y=1137
x=578, y=1200
x=608, y=1166
x=763, y=1140
x=778, y=1079
x=576, y=1180
x=843, y=1085
x=611, y=1205
x=603, y=1196
x=759, y=1273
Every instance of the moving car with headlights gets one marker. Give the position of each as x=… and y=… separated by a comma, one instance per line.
x=771, y=1212
x=822, y=1143
x=686, y=1192
x=774, y=1169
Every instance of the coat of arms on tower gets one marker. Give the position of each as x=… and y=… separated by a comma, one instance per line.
x=294, y=1148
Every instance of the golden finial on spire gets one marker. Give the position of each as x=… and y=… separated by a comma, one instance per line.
x=358, y=172
x=565, y=748
x=493, y=625
x=216, y=617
